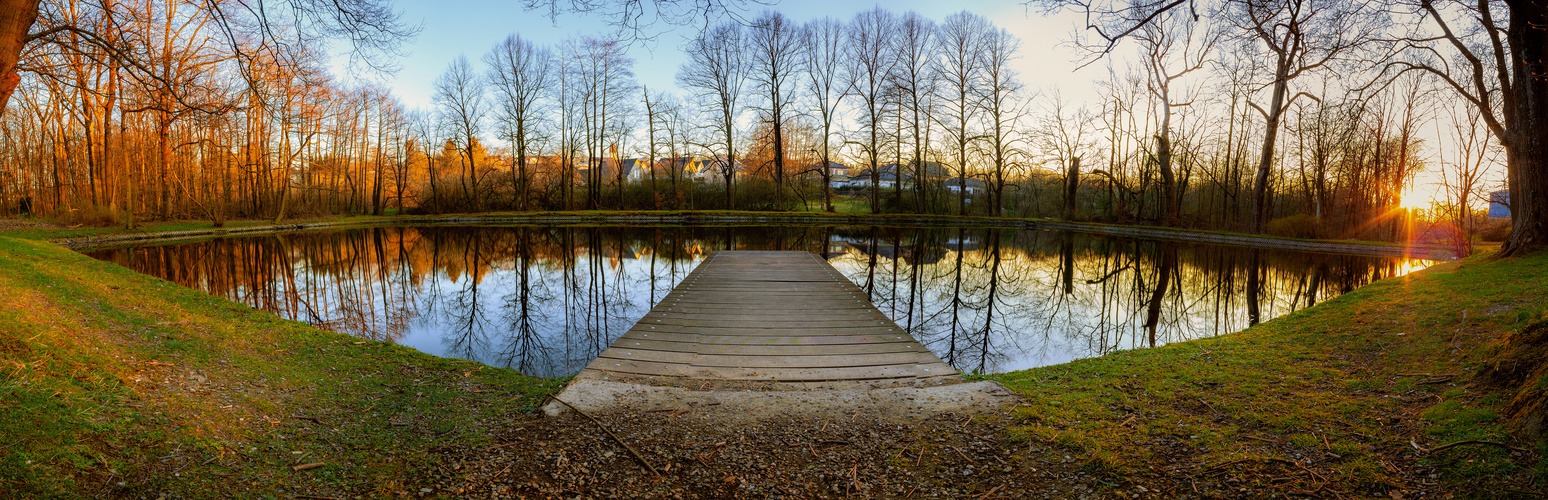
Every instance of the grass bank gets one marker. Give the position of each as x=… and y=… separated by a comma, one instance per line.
x=1390, y=388
x=115, y=382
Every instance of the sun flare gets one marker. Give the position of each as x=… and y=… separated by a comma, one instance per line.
x=1415, y=199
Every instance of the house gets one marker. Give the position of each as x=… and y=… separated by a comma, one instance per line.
x=836, y=170
x=682, y=167
x=890, y=175
x=713, y=169
x=957, y=184
x=933, y=171
x=634, y=170
x=887, y=179
x=1499, y=204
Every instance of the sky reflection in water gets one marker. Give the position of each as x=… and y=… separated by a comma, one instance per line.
x=546, y=300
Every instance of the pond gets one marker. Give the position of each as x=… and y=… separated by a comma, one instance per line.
x=546, y=300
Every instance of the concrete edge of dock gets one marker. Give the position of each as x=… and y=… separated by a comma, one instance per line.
x=895, y=403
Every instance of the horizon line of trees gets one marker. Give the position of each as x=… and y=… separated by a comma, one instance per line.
x=1289, y=116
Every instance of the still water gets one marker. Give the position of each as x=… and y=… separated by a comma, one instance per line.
x=546, y=300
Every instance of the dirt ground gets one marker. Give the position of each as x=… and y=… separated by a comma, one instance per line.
x=699, y=452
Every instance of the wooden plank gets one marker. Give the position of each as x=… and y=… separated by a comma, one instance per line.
x=698, y=359
x=697, y=338
x=775, y=348
x=784, y=332
x=906, y=372
x=783, y=317
x=764, y=325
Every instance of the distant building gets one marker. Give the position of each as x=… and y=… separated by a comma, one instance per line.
x=634, y=170
x=837, y=171
x=887, y=180
x=1499, y=204
x=956, y=184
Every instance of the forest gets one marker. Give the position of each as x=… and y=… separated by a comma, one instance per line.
x=1308, y=118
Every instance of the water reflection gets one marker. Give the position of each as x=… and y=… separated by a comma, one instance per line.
x=546, y=300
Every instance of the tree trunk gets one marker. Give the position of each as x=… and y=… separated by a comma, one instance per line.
x=16, y=18
x=164, y=153
x=1260, y=188
x=1527, y=154
x=1071, y=188
x=1168, y=180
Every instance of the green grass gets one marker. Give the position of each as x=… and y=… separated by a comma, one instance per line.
x=1354, y=384
x=111, y=376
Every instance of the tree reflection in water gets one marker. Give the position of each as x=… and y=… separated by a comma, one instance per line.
x=547, y=300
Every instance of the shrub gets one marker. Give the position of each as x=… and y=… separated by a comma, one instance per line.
x=1296, y=226
x=1494, y=230
x=96, y=216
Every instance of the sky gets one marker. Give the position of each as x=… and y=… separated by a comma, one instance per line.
x=472, y=28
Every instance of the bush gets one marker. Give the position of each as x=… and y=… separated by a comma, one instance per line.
x=96, y=216
x=1296, y=226
x=1494, y=230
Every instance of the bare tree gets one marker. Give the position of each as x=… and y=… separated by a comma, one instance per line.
x=1173, y=44
x=1299, y=36
x=1065, y=136
x=645, y=19
x=1462, y=176
x=250, y=29
x=914, y=78
x=459, y=96
x=775, y=48
x=823, y=60
x=606, y=76
x=1302, y=36
x=871, y=58
x=520, y=73
x=715, y=72
x=999, y=98
x=652, y=118
x=960, y=41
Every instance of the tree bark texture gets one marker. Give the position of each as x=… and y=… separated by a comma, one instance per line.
x=16, y=18
x=1528, y=148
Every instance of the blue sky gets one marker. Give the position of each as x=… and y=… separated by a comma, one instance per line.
x=471, y=28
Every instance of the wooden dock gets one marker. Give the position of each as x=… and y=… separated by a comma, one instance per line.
x=769, y=321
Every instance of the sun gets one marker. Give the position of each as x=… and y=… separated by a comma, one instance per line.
x=1415, y=198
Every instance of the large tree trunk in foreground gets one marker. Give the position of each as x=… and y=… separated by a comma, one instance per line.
x=16, y=18
x=1528, y=147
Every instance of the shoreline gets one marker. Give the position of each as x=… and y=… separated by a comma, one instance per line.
x=93, y=242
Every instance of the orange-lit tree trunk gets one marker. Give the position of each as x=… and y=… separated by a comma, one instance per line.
x=16, y=18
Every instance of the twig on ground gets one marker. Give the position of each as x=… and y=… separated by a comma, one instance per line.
x=1476, y=441
x=991, y=492
x=609, y=432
